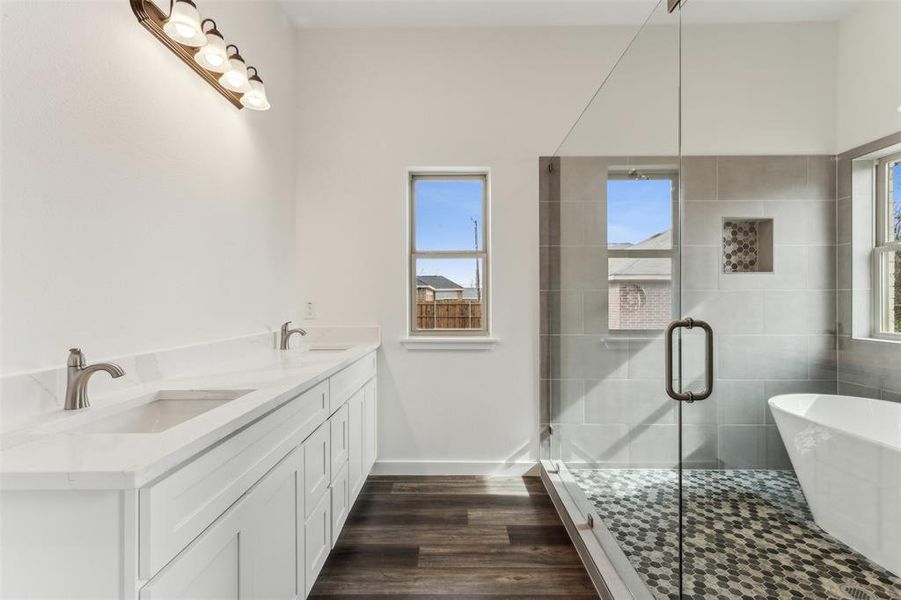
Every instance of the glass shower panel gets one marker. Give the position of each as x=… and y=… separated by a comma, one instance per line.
x=760, y=123
x=610, y=271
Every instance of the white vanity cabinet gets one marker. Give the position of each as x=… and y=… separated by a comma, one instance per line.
x=291, y=518
x=252, y=516
x=251, y=551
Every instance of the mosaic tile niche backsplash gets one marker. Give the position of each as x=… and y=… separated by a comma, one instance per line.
x=747, y=246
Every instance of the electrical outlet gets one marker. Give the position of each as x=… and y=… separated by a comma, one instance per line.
x=310, y=311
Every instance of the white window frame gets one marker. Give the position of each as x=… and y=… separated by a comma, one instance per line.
x=456, y=337
x=672, y=174
x=882, y=247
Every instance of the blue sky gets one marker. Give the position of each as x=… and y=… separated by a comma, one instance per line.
x=638, y=209
x=444, y=213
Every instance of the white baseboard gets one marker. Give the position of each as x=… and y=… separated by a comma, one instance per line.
x=441, y=467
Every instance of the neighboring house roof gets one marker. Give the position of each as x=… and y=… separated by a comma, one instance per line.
x=437, y=282
x=644, y=269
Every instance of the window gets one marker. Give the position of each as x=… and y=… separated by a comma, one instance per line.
x=448, y=253
x=640, y=217
x=887, y=254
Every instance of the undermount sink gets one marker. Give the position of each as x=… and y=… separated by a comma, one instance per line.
x=166, y=410
x=328, y=348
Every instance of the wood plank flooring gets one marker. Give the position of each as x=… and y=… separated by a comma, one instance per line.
x=473, y=538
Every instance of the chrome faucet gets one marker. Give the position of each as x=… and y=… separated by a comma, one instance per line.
x=78, y=376
x=287, y=333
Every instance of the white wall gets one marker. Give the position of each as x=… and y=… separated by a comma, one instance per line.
x=745, y=89
x=374, y=102
x=869, y=73
x=140, y=210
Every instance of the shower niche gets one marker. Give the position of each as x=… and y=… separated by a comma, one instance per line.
x=747, y=245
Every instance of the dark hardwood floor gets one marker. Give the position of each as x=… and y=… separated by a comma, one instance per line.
x=454, y=537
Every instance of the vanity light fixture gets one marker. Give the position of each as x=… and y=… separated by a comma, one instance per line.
x=255, y=99
x=183, y=24
x=214, y=55
x=201, y=45
x=235, y=76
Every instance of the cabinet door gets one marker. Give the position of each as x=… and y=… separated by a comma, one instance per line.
x=370, y=425
x=340, y=439
x=340, y=503
x=270, y=544
x=208, y=570
x=317, y=540
x=355, y=418
x=263, y=565
x=317, y=462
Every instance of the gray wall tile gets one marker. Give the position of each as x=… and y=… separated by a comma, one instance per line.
x=802, y=223
x=700, y=266
x=742, y=446
x=699, y=177
x=763, y=357
x=631, y=401
x=763, y=178
x=583, y=179
x=594, y=312
x=567, y=403
x=594, y=444
x=821, y=178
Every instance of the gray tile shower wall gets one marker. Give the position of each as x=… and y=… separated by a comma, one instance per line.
x=866, y=367
x=602, y=392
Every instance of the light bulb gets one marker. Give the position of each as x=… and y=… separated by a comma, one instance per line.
x=183, y=24
x=255, y=97
x=185, y=30
x=214, y=55
x=234, y=77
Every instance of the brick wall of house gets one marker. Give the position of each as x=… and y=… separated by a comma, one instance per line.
x=640, y=304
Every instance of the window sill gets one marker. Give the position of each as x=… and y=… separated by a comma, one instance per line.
x=449, y=343
x=877, y=339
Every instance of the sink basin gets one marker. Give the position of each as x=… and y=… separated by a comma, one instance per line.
x=333, y=348
x=166, y=410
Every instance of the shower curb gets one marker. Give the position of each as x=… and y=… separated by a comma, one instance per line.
x=600, y=569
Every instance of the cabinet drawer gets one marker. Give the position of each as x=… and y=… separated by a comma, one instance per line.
x=174, y=510
x=317, y=463
x=340, y=503
x=340, y=439
x=347, y=381
x=317, y=540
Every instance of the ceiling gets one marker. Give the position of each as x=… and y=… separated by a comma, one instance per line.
x=548, y=13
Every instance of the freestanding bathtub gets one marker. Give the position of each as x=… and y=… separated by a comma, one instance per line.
x=847, y=454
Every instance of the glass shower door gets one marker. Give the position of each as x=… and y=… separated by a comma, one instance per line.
x=609, y=286
x=760, y=190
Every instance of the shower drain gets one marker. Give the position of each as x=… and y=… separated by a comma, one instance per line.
x=856, y=593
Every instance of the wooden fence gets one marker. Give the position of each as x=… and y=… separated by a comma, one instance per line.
x=449, y=314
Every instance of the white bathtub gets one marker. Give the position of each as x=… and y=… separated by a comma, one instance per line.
x=847, y=454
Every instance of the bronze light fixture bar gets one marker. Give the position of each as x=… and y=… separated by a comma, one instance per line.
x=154, y=19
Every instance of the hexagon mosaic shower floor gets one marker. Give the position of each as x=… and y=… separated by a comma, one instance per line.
x=748, y=534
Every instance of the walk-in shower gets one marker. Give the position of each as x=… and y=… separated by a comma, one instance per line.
x=704, y=200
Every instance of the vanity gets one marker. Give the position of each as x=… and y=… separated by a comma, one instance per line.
x=233, y=484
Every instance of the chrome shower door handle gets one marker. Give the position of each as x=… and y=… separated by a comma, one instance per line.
x=689, y=323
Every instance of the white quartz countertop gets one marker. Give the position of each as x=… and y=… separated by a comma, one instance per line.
x=50, y=455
